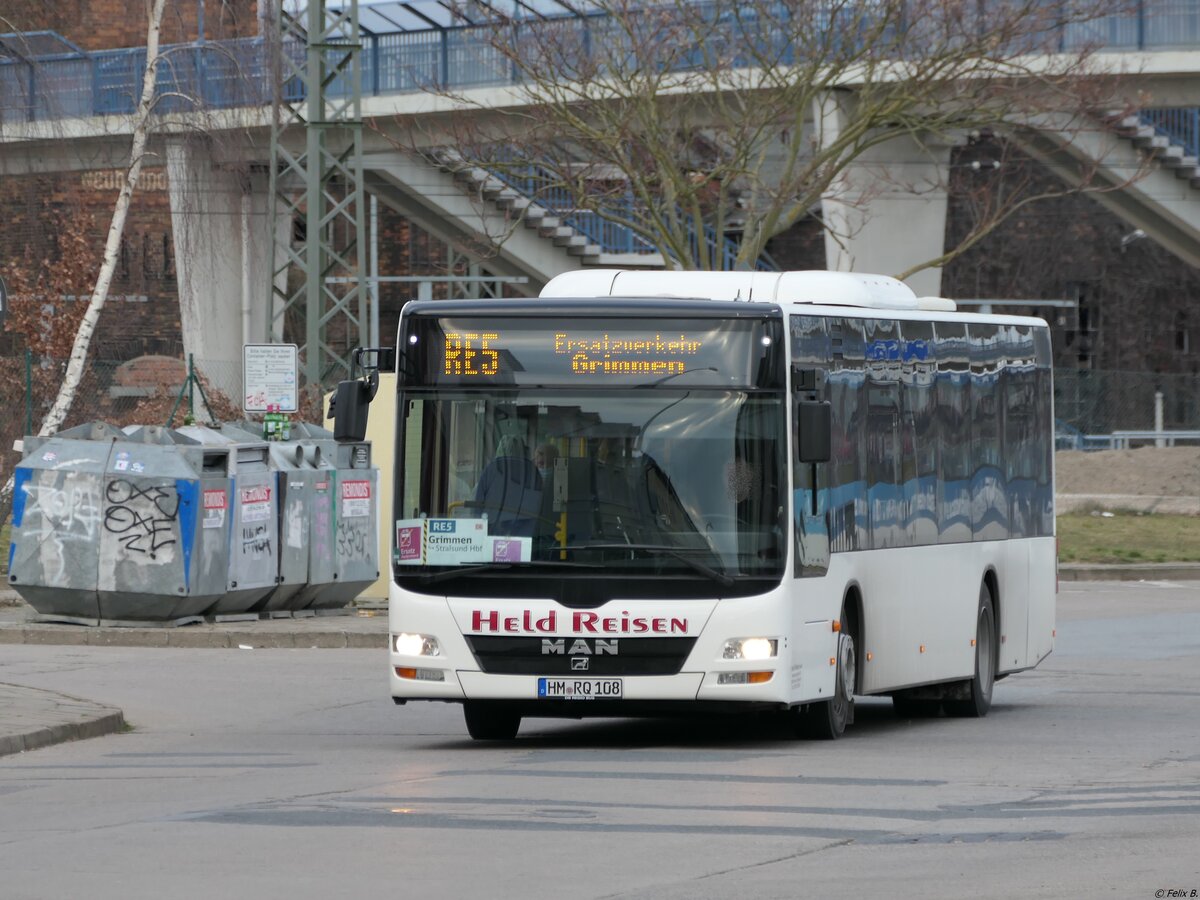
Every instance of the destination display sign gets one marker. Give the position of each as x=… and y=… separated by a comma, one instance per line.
x=526, y=351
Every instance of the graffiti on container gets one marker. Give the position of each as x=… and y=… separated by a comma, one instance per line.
x=59, y=514
x=70, y=511
x=353, y=538
x=295, y=525
x=322, y=539
x=256, y=541
x=142, y=517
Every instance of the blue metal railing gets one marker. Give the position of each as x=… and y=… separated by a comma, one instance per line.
x=540, y=185
x=1182, y=126
x=212, y=75
x=222, y=74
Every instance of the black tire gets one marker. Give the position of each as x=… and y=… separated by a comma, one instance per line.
x=908, y=708
x=490, y=721
x=827, y=720
x=979, y=701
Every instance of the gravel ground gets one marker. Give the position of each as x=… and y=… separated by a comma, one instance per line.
x=1148, y=471
x=1144, y=480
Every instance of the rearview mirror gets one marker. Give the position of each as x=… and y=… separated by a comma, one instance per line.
x=349, y=407
x=814, y=428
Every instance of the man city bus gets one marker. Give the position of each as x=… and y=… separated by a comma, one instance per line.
x=751, y=492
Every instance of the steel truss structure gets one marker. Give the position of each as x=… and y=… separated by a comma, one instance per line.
x=318, y=263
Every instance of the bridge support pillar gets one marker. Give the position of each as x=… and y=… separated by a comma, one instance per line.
x=222, y=256
x=886, y=211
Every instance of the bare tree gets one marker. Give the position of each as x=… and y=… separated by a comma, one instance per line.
x=685, y=121
x=141, y=132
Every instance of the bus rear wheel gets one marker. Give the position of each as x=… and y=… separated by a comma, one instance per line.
x=979, y=689
x=827, y=720
x=490, y=721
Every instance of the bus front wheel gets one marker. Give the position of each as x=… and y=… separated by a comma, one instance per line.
x=978, y=699
x=490, y=721
x=828, y=719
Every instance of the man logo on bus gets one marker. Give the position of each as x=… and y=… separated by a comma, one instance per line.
x=579, y=647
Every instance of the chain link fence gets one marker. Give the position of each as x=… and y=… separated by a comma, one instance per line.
x=1101, y=402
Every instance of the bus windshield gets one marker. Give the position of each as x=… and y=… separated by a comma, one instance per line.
x=669, y=482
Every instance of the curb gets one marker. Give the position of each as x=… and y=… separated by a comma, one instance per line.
x=39, y=718
x=1130, y=572
x=192, y=637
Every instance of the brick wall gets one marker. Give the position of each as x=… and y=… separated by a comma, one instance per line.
x=800, y=247
x=1137, y=302
x=142, y=314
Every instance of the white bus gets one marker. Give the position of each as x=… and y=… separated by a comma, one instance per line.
x=646, y=493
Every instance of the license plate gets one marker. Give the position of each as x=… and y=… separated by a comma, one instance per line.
x=579, y=688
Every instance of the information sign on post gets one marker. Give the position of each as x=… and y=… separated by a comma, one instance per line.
x=269, y=374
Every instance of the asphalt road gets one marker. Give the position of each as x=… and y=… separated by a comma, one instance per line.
x=288, y=773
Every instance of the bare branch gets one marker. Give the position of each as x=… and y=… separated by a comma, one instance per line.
x=701, y=115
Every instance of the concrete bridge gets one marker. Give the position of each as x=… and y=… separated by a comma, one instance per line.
x=72, y=112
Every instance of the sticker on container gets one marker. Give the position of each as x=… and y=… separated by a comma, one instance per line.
x=214, y=509
x=256, y=503
x=49, y=456
x=356, y=499
x=137, y=467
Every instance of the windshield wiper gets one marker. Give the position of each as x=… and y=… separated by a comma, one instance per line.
x=678, y=553
x=436, y=577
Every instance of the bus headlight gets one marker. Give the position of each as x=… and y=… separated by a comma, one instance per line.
x=750, y=648
x=416, y=645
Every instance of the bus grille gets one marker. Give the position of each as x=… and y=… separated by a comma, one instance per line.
x=504, y=655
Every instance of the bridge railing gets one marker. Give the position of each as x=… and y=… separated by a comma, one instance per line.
x=1148, y=25
x=210, y=74
x=542, y=187
x=1182, y=126
x=222, y=74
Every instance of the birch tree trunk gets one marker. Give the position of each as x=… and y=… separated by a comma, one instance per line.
x=141, y=133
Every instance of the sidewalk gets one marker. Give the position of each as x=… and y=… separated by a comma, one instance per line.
x=31, y=718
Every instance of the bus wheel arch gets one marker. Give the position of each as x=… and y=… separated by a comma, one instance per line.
x=827, y=719
x=852, y=624
x=976, y=697
x=992, y=581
